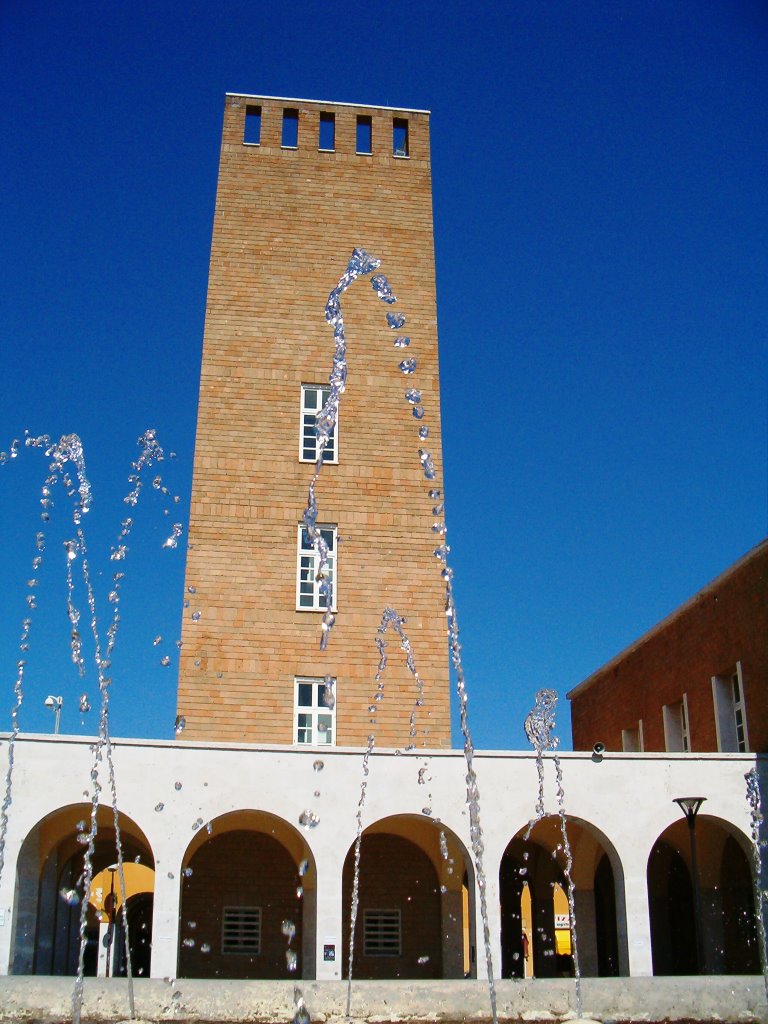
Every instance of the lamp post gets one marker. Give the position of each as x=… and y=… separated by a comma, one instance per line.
x=690, y=806
x=55, y=703
x=110, y=907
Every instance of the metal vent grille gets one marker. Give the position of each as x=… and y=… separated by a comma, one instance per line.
x=241, y=930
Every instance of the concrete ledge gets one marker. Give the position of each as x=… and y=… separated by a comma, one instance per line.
x=719, y=998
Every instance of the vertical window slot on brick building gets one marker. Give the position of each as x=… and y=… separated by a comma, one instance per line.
x=632, y=739
x=327, y=136
x=730, y=712
x=676, y=733
x=290, y=138
x=252, y=134
x=364, y=142
x=400, y=137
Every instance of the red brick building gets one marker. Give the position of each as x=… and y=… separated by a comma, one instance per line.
x=698, y=681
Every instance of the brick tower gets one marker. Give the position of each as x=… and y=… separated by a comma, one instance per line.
x=301, y=184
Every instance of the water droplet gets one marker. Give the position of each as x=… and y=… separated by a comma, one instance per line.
x=408, y=366
x=317, y=792
x=85, y=704
x=299, y=892
x=418, y=412
x=291, y=960
x=303, y=867
x=165, y=661
x=159, y=807
x=318, y=766
x=188, y=874
x=177, y=786
x=188, y=943
x=288, y=928
x=172, y=541
x=196, y=824
x=170, y=874
x=424, y=433
x=423, y=960
x=158, y=640
x=413, y=395
x=396, y=320
x=209, y=828
x=427, y=811
x=381, y=286
x=70, y=896
x=205, y=948
x=402, y=342
x=196, y=616
x=191, y=590
x=308, y=819
x=181, y=724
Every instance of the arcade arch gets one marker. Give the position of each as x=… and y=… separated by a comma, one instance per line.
x=243, y=885
x=535, y=924
x=49, y=892
x=728, y=932
x=415, y=914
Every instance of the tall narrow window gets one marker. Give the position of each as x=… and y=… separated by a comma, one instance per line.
x=400, y=136
x=632, y=739
x=313, y=398
x=314, y=712
x=730, y=711
x=364, y=142
x=310, y=590
x=676, y=731
x=290, y=137
x=327, y=136
x=381, y=933
x=252, y=135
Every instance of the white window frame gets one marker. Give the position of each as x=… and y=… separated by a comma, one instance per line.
x=306, y=560
x=330, y=455
x=627, y=736
x=677, y=727
x=249, y=917
x=372, y=938
x=315, y=711
x=728, y=711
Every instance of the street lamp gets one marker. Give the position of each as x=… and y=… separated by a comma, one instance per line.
x=109, y=904
x=690, y=806
x=55, y=703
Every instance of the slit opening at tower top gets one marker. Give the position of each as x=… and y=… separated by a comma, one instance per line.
x=364, y=138
x=400, y=137
x=290, y=136
x=252, y=131
x=327, y=132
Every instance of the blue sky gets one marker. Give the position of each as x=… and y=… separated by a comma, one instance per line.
x=600, y=217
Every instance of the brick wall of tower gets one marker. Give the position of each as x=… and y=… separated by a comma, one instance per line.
x=725, y=623
x=285, y=226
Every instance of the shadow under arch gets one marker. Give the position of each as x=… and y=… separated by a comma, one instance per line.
x=536, y=942
x=45, y=936
x=240, y=883
x=416, y=905
x=729, y=942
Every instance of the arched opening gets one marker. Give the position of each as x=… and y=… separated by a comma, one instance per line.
x=248, y=901
x=415, y=907
x=727, y=934
x=49, y=893
x=535, y=917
